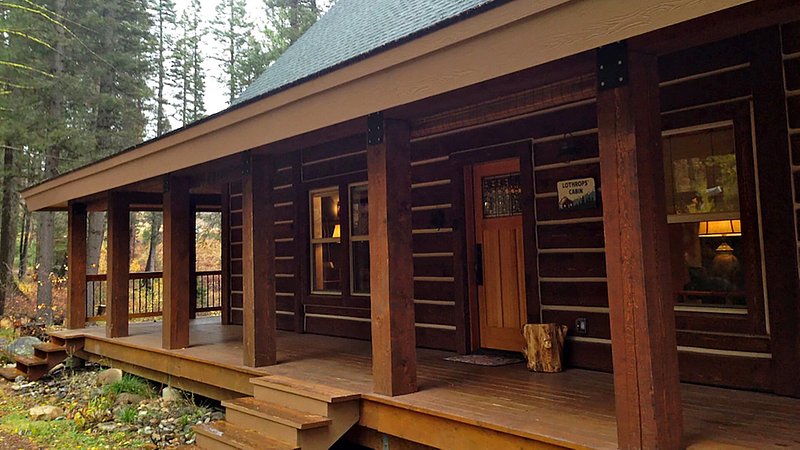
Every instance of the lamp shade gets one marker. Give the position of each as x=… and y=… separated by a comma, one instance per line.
x=720, y=228
x=337, y=231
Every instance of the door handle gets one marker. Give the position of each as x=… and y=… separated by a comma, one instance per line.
x=479, y=264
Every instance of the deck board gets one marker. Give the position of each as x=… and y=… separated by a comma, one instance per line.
x=574, y=408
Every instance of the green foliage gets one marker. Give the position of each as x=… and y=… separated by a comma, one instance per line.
x=287, y=20
x=187, y=66
x=129, y=384
x=233, y=32
x=127, y=414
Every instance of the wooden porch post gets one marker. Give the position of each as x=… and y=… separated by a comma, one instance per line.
x=646, y=381
x=394, y=358
x=258, y=254
x=76, y=265
x=177, y=258
x=118, y=262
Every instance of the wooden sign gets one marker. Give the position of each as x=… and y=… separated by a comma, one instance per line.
x=577, y=194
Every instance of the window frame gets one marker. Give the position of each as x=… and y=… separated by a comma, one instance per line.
x=316, y=241
x=353, y=238
x=711, y=318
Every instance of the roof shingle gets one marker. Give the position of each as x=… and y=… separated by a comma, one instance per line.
x=353, y=29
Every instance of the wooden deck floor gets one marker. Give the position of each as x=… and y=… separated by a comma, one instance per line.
x=574, y=408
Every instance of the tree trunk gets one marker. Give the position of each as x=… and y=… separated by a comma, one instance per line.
x=8, y=229
x=24, y=239
x=155, y=238
x=94, y=241
x=132, y=220
x=44, y=264
x=44, y=234
x=544, y=346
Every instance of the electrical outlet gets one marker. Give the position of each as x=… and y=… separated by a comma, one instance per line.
x=580, y=325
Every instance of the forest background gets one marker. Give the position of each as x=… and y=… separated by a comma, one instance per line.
x=83, y=79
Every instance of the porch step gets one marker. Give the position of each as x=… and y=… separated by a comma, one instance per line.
x=297, y=413
x=29, y=361
x=49, y=347
x=221, y=435
x=277, y=413
x=315, y=391
x=11, y=373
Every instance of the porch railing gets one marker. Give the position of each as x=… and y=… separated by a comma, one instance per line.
x=145, y=294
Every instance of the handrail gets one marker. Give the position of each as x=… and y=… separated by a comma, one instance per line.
x=145, y=293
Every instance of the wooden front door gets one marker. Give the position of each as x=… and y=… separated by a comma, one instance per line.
x=499, y=254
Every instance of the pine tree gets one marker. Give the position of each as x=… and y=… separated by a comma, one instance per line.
x=242, y=55
x=164, y=25
x=187, y=66
x=287, y=20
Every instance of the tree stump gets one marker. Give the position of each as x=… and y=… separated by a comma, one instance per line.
x=544, y=346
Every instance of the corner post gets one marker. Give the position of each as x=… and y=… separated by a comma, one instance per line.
x=394, y=358
x=177, y=258
x=258, y=252
x=76, y=265
x=118, y=262
x=645, y=357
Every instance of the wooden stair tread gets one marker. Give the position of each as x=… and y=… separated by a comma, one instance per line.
x=306, y=389
x=239, y=437
x=49, y=347
x=30, y=361
x=277, y=413
x=11, y=373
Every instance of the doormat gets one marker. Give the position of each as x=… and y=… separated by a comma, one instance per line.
x=485, y=360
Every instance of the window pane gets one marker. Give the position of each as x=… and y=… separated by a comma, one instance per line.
x=707, y=266
x=501, y=195
x=325, y=270
x=701, y=172
x=705, y=232
x=359, y=211
x=360, y=255
x=325, y=215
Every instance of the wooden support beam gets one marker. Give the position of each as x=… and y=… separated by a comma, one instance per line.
x=394, y=358
x=258, y=252
x=646, y=382
x=76, y=265
x=178, y=228
x=775, y=192
x=118, y=262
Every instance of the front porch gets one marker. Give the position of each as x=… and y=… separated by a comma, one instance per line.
x=464, y=403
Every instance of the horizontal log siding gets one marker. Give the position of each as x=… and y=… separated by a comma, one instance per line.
x=790, y=34
x=343, y=162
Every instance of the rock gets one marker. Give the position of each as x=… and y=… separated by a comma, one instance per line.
x=171, y=394
x=109, y=376
x=128, y=399
x=22, y=346
x=107, y=427
x=46, y=412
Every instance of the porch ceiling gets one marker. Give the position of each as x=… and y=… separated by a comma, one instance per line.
x=489, y=45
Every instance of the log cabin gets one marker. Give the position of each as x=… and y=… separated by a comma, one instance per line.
x=414, y=180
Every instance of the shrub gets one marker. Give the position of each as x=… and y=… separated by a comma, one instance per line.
x=131, y=385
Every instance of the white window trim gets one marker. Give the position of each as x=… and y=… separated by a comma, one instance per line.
x=353, y=239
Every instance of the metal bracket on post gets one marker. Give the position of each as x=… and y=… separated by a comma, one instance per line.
x=247, y=161
x=166, y=183
x=375, y=128
x=612, y=66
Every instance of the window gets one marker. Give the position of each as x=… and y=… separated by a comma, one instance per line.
x=359, y=239
x=705, y=230
x=325, y=242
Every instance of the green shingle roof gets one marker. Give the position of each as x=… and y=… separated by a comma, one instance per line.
x=354, y=29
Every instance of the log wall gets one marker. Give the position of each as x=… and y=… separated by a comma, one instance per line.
x=701, y=85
